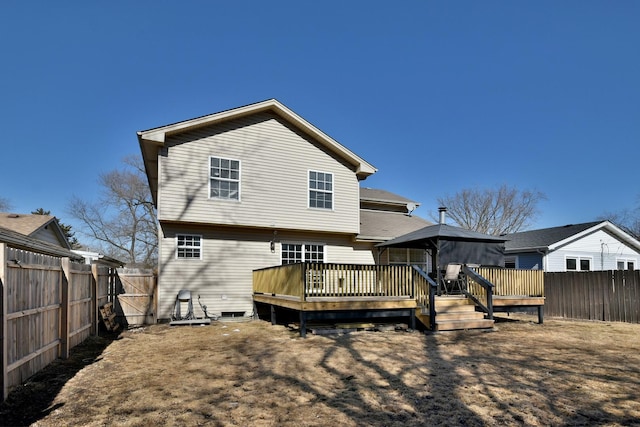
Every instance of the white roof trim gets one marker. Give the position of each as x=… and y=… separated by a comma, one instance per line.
x=159, y=135
x=612, y=228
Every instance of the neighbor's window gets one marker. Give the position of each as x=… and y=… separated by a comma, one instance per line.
x=189, y=246
x=629, y=264
x=298, y=252
x=224, y=179
x=509, y=262
x=578, y=264
x=320, y=190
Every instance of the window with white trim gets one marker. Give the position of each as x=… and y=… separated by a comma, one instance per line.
x=625, y=264
x=224, y=178
x=320, y=190
x=188, y=246
x=408, y=256
x=300, y=252
x=578, y=264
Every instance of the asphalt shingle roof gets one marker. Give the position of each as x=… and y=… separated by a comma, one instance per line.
x=544, y=237
x=382, y=225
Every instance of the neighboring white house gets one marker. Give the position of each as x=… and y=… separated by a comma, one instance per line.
x=254, y=187
x=591, y=246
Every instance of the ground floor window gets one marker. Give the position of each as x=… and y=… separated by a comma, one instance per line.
x=578, y=264
x=510, y=262
x=406, y=256
x=625, y=264
x=189, y=246
x=302, y=252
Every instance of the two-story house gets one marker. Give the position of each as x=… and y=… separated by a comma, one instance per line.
x=253, y=187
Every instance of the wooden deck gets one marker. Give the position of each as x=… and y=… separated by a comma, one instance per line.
x=326, y=292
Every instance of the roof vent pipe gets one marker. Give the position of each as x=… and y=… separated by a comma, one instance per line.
x=443, y=213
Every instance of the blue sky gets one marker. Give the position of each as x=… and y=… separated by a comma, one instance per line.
x=439, y=96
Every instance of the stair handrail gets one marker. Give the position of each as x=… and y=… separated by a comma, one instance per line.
x=486, y=285
x=433, y=288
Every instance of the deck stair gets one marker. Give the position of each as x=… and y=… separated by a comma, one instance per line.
x=455, y=313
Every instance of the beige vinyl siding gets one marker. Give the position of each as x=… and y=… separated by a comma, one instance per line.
x=224, y=275
x=275, y=161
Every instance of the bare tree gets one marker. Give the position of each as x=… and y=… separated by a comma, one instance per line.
x=123, y=221
x=5, y=204
x=627, y=219
x=493, y=211
x=66, y=229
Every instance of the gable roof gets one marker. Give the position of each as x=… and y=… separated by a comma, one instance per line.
x=380, y=226
x=555, y=237
x=383, y=196
x=151, y=140
x=20, y=241
x=31, y=224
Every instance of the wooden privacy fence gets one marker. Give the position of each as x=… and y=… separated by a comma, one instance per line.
x=137, y=300
x=49, y=305
x=594, y=295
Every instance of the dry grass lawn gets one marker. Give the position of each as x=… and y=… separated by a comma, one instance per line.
x=255, y=374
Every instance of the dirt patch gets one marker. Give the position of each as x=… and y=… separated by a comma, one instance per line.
x=558, y=373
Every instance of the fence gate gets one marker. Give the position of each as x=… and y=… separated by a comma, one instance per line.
x=138, y=304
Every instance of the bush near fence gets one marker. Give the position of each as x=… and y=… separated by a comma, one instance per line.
x=49, y=305
x=610, y=296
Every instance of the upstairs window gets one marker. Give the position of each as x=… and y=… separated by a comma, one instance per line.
x=320, y=190
x=188, y=246
x=224, y=179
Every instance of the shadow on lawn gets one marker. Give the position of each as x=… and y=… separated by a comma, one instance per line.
x=33, y=400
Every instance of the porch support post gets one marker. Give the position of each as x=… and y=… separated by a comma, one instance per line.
x=412, y=319
x=303, y=323
x=273, y=314
x=490, y=301
x=540, y=314
x=432, y=308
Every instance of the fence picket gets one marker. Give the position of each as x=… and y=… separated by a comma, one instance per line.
x=597, y=295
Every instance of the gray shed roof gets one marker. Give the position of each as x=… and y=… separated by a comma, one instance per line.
x=20, y=241
x=545, y=237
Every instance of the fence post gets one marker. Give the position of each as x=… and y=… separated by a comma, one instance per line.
x=64, y=307
x=94, y=299
x=3, y=319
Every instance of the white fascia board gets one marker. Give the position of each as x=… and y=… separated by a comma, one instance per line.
x=158, y=135
x=575, y=237
x=606, y=225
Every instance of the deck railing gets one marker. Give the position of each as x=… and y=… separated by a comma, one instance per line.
x=304, y=280
x=510, y=282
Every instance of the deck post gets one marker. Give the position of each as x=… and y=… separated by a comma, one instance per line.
x=540, y=314
x=273, y=314
x=303, y=323
x=432, y=308
x=412, y=319
x=490, y=301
